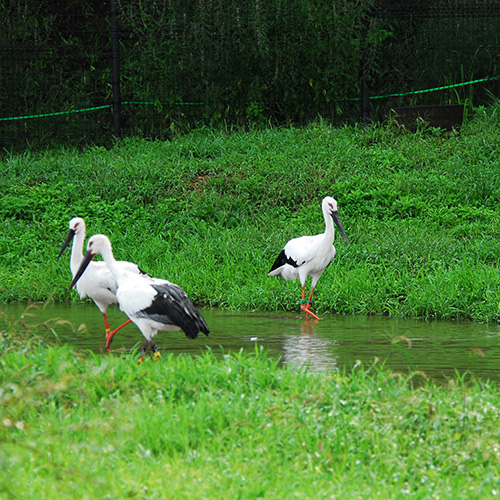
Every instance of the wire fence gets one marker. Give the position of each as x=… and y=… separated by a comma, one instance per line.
x=78, y=74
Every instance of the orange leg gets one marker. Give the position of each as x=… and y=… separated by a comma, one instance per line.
x=110, y=335
x=106, y=324
x=306, y=305
x=303, y=305
x=154, y=350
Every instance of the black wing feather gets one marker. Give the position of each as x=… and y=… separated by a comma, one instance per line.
x=281, y=260
x=172, y=306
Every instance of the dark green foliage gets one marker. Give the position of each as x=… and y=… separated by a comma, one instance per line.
x=234, y=61
x=264, y=57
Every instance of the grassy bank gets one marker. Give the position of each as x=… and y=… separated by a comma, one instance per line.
x=237, y=426
x=211, y=210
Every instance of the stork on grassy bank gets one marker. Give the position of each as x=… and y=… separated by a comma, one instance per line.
x=310, y=255
x=97, y=282
x=153, y=304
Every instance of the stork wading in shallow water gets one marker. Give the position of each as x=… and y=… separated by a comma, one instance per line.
x=97, y=282
x=153, y=304
x=310, y=255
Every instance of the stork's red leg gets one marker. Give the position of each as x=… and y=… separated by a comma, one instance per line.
x=303, y=302
x=106, y=324
x=110, y=335
x=306, y=305
x=311, y=296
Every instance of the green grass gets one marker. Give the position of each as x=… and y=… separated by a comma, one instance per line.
x=237, y=426
x=210, y=210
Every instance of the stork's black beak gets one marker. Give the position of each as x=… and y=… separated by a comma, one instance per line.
x=67, y=241
x=338, y=223
x=85, y=262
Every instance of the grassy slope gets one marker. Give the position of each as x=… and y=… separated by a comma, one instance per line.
x=421, y=213
x=237, y=427
x=210, y=211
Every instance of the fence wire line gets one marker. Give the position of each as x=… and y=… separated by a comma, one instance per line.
x=153, y=103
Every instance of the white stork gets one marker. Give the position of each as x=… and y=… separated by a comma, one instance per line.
x=310, y=255
x=153, y=304
x=98, y=282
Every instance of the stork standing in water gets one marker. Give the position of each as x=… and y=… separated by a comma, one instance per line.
x=98, y=282
x=310, y=255
x=153, y=304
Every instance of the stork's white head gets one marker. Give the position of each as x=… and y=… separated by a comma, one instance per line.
x=77, y=225
x=330, y=207
x=99, y=244
x=329, y=204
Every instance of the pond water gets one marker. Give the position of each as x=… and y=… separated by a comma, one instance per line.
x=437, y=348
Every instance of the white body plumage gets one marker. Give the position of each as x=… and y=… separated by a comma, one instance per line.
x=153, y=304
x=97, y=282
x=310, y=255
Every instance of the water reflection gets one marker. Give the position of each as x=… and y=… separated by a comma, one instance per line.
x=295, y=341
x=440, y=348
x=309, y=349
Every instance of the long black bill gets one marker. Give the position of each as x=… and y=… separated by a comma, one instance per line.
x=338, y=223
x=85, y=262
x=67, y=241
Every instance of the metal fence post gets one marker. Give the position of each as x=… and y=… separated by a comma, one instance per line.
x=115, y=57
x=365, y=92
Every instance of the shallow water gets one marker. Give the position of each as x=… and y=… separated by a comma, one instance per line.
x=437, y=348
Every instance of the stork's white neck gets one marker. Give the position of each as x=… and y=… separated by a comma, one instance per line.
x=77, y=251
x=117, y=271
x=329, y=227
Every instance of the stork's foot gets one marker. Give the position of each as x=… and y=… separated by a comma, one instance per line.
x=305, y=305
x=144, y=350
x=109, y=339
x=156, y=352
